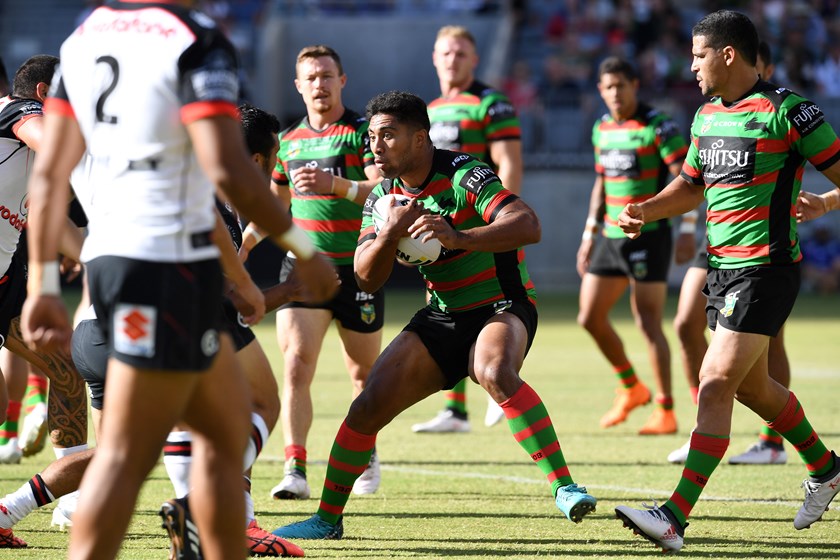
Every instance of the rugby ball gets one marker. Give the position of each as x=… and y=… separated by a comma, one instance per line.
x=409, y=250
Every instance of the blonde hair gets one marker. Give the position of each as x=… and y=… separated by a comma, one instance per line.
x=457, y=31
x=317, y=51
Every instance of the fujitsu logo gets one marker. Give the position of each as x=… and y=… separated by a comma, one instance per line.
x=718, y=156
x=807, y=113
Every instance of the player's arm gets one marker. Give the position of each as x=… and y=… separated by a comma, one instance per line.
x=514, y=225
x=252, y=235
x=686, y=243
x=72, y=240
x=45, y=323
x=31, y=132
x=594, y=222
x=810, y=206
x=357, y=191
x=374, y=258
x=507, y=155
x=318, y=181
x=228, y=165
x=250, y=304
x=678, y=197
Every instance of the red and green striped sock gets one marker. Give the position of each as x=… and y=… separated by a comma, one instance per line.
x=703, y=458
x=794, y=427
x=532, y=428
x=296, y=458
x=36, y=392
x=9, y=428
x=349, y=458
x=626, y=375
x=770, y=435
x=665, y=403
x=456, y=397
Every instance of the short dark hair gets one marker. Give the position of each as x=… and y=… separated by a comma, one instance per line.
x=317, y=51
x=406, y=107
x=36, y=69
x=728, y=28
x=764, y=53
x=259, y=129
x=617, y=65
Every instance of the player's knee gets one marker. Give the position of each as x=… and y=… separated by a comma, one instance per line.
x=715, y=389
x=588, y=321
x=685, y=330
x=366, y=414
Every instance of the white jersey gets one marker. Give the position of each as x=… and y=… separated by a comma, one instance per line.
x=16, y=160
x=133, y=75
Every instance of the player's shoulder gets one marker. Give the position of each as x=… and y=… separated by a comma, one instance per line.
x=354, y=120
x=448, y=162
x=13, y=109
x=16, y=105
x=487, y=94
x=651, y=115
x=290, y=131
x=778, y=96
x=464, y=170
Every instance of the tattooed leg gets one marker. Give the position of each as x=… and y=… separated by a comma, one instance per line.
x=67, y=405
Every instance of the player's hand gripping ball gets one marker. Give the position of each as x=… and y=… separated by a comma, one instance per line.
x=411, y=251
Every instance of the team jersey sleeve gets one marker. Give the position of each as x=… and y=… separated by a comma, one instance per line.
x=367, y=233
x=809, y=134
x=365, y=153
x=500, y=119
x=279, y=176
x=18, y=112
x=209, y=80
x=57, y=101
x=596, y=138
x=483, y=189
x=670, y=143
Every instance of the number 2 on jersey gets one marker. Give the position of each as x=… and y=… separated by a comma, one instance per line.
x=100, y=103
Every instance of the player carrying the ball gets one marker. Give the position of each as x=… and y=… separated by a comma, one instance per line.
x=481, y=317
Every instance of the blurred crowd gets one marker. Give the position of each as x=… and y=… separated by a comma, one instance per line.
x=561, y=42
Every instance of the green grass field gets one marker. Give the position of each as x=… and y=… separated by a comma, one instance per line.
x=478, y=495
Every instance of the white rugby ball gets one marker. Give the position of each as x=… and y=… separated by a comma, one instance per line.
x=409, y=250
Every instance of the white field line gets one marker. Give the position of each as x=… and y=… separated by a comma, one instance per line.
x=664, y=494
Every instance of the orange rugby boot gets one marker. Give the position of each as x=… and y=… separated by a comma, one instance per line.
x=625, y=401
x=661, y=422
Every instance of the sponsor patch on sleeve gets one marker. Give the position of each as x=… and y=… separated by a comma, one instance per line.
x=806, y=117
x=501, y=111
x=215, y=79
x=475, y=179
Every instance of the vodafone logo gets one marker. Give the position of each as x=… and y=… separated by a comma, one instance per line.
x=16, y=219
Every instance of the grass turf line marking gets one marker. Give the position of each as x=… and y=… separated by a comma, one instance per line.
x=523, y=480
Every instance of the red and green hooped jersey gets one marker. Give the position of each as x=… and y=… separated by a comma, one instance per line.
x=750, y=156
x=633, y=157
x=468, y=194
x=473, y=119
x=343, y=149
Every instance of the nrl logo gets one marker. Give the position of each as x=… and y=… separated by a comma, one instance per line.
x=707, y=124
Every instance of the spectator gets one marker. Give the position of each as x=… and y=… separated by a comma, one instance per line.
x=827, y=73
x=558, y=87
